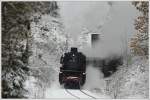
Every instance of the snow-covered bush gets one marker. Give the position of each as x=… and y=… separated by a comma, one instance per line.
x=130, y=81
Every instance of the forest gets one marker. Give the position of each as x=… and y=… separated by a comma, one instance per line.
x=34, y=37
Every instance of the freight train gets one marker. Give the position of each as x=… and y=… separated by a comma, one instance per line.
x=73, y=69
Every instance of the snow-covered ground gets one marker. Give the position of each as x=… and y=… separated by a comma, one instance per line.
x=69, y=93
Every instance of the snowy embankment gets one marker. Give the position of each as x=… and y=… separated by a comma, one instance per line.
x=130, y=81
x=48, y=44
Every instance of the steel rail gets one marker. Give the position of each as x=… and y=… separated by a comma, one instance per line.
x=87, y=94
x=71, y=94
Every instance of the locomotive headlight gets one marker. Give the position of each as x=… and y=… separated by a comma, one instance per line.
x=60, y=72
x=83, y=73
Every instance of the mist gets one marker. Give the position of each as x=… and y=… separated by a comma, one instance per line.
x=113, y=20
x=94, y=79
x=77, y=15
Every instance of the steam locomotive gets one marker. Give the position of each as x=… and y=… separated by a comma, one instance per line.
x=73, y=70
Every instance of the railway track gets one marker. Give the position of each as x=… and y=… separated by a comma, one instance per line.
x=71, y=94
x=88, y=94
x=79, y=94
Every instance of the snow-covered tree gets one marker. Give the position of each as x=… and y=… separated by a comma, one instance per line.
x=139, y=43
x=16, y=42
x=49, y=42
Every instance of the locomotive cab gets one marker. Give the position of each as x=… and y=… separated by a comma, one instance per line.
x=73, y=69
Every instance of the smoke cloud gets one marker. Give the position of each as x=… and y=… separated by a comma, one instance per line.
x=94, y=79
x=113, y=20
x=77, y=15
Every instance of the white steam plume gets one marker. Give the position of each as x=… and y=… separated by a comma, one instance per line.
x=94, y=79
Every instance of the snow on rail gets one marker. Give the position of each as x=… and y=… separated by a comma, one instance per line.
x=70, y=93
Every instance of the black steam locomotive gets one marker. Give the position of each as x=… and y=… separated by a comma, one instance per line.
x=72, y=72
